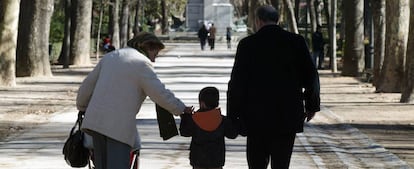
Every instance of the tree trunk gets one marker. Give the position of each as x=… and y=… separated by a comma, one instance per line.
x=312, y=14
x=251, y=16
x=319, y=6
x=81, y=31
x=296, y=9
x=332, y=33
x=115, y=23
x=293, y=27
x=64, y=57
x=327, y=10
x=282, y=15
x=236, y=4
x=98, y=36
x=354, y=37
x=123, y=31
x=378, y=15
x=246, y=8
x=136, y=18
x=110, y=19
x=9, y=20
x=408, y=87
x=164, y=18
x=396, y=37
x=33, y=38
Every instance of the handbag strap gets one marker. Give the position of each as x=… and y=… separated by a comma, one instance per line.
x=78, y=122
x=81, y=114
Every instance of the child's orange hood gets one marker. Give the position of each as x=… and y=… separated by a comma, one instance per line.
x=208, y=120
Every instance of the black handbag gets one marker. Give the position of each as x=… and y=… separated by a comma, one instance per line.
x=75, y=153
x=166, y=123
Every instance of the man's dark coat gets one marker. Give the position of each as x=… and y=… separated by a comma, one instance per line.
x=272, y=82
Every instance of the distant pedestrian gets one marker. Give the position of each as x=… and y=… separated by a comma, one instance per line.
x=107, y=46
x=202, y=36
x=317, y=47
x=228, y=37
x=212, y=36
x=271, y=110
x=208, y=128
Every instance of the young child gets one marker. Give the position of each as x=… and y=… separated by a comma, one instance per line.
x=207, y=128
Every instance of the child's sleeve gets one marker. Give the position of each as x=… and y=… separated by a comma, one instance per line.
x=186, y=125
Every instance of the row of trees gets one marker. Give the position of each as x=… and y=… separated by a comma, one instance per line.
x=392, y=64
x=25, y=29
x=24, y=37
x=26, y=26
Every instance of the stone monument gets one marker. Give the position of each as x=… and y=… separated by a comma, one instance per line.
x=219, y=12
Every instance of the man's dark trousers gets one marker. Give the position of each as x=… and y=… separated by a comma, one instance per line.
x=278, y=149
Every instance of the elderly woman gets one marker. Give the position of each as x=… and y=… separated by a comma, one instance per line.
x=112, y=95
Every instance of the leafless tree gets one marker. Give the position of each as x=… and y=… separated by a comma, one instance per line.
x=98, y=36
x=32, y=57
x=408, y=83
x=164, y=18
x=114, y=23
x=64, y=57
x=123, y=29
x=396, y=37
x=81, y=32
x=378, y=15
x=312, y=14
x=353, y=59
x=293, y=27
x=136, y=17
x=9, y=17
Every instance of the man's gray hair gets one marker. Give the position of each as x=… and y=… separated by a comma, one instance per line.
x=267, y=13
